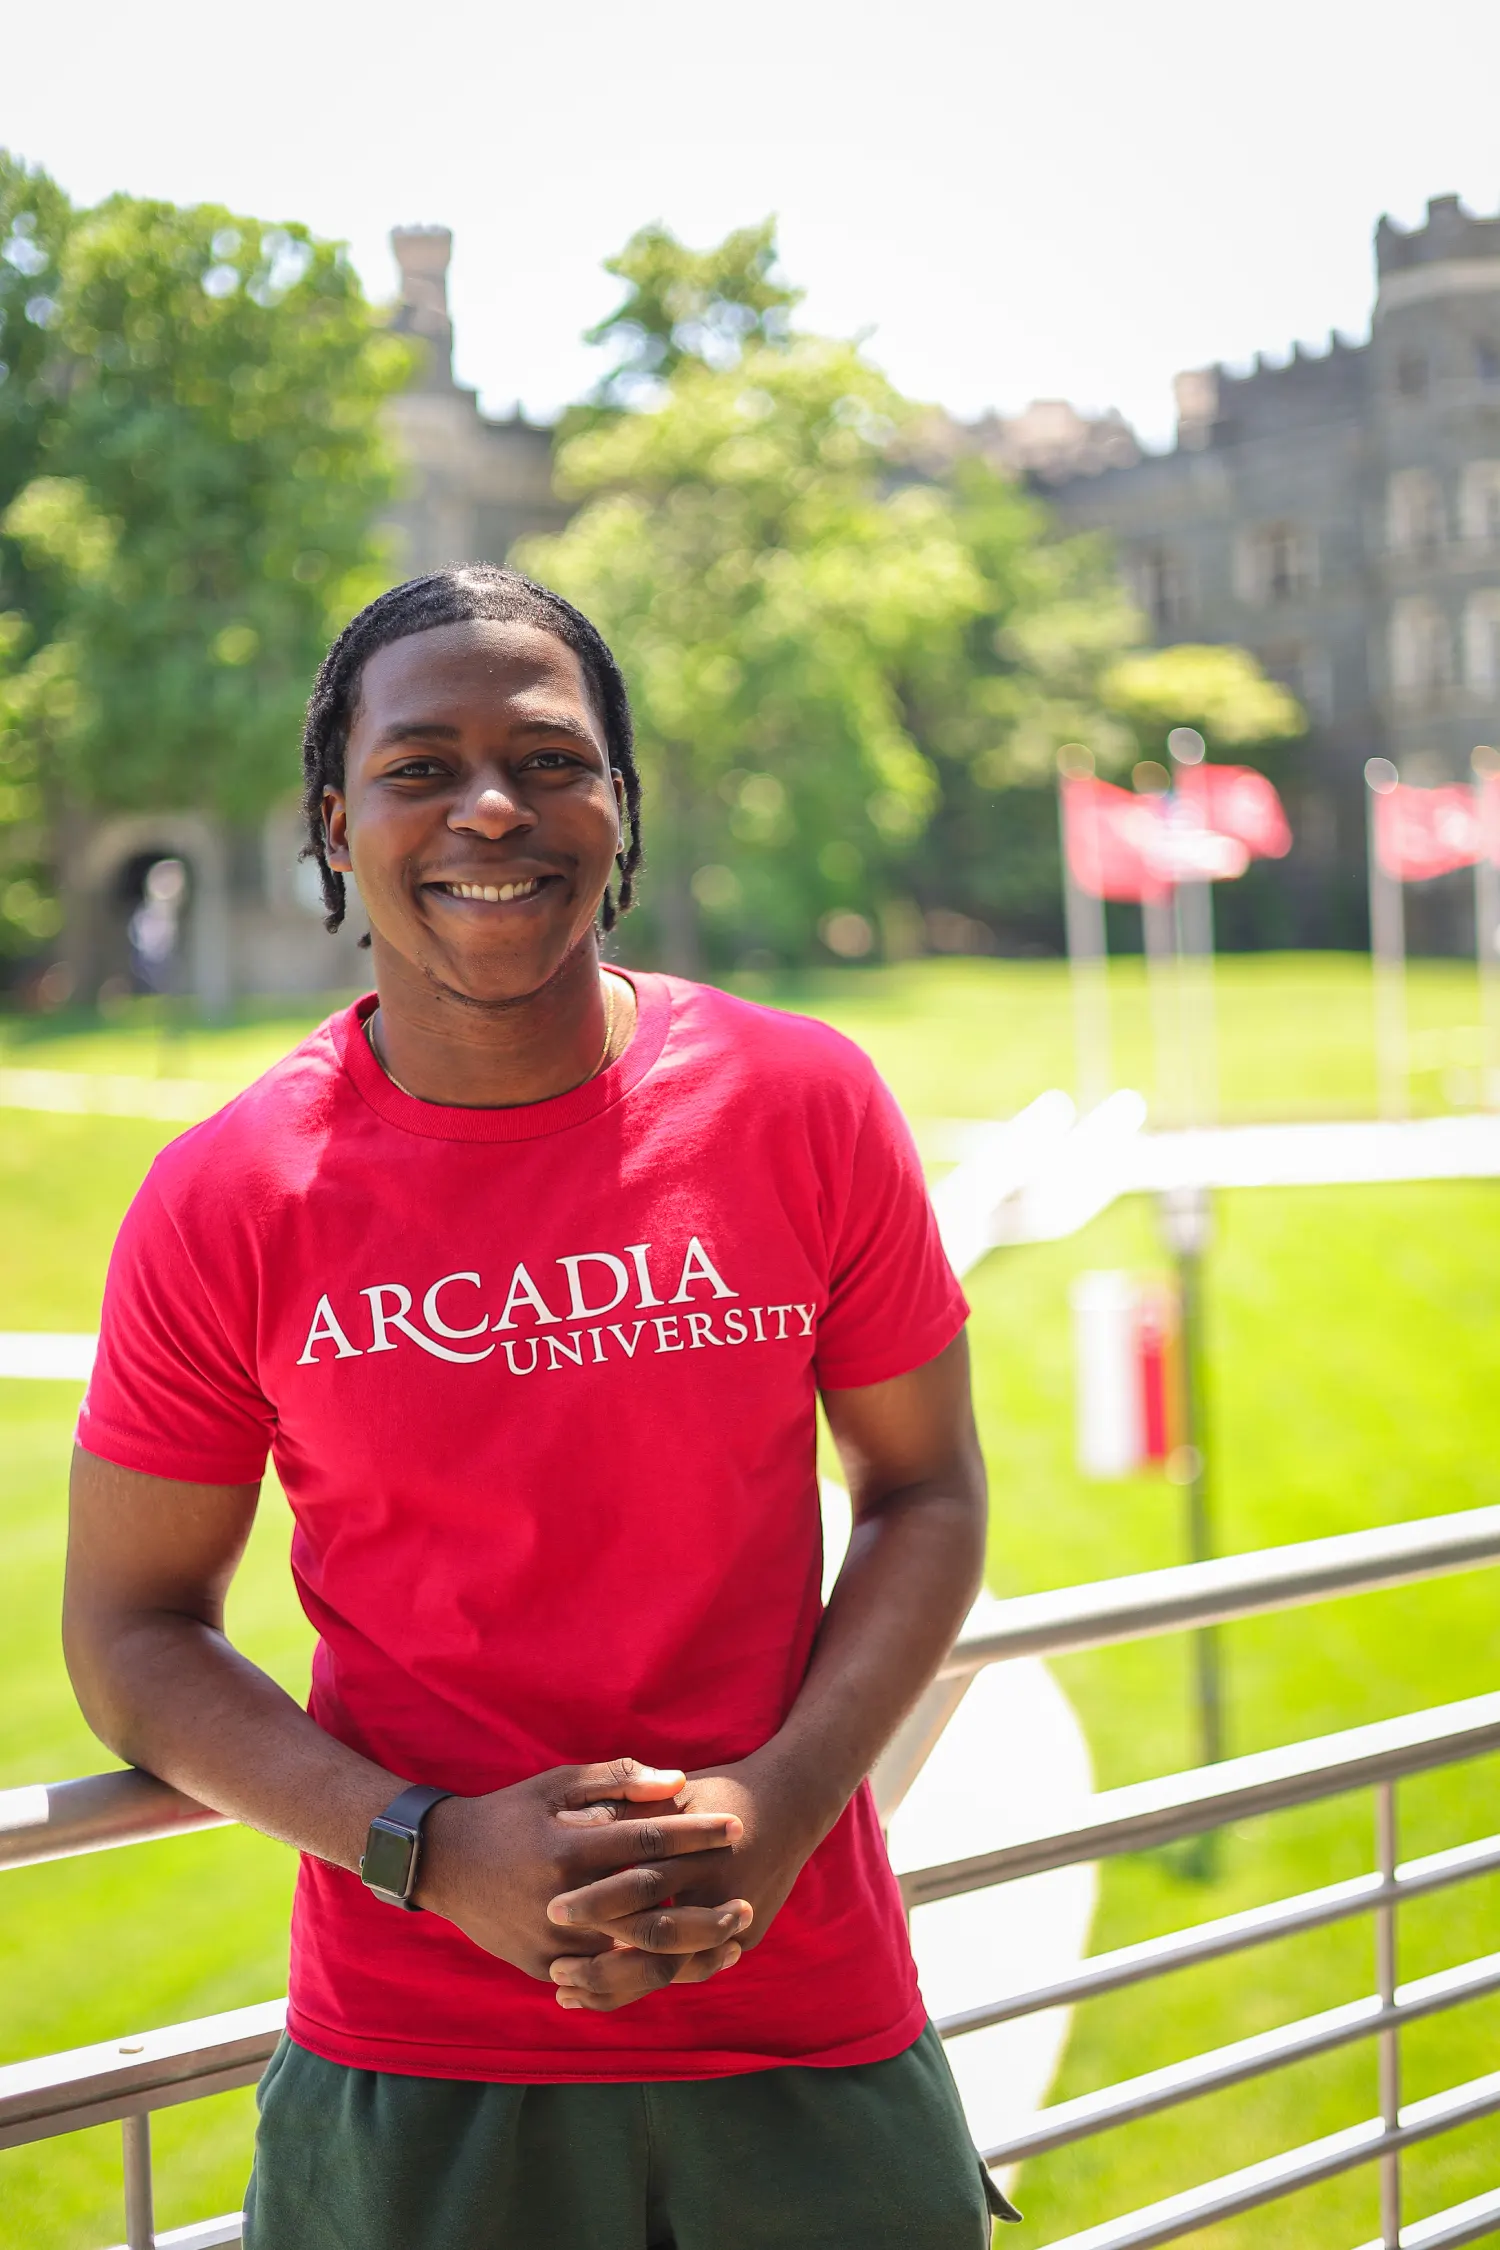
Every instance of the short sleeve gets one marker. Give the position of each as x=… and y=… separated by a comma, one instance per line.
x=893, y=1300
x=171, y=1395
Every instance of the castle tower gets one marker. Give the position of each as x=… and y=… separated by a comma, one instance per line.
x=423, y=255
x=1435, y=506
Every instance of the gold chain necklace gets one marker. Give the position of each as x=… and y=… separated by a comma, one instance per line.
x=609, y=1032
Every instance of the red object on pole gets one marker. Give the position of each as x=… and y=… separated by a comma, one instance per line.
x=1237, y=801
x=1424, y=832
x=1153, y=1333
x=1110, y=836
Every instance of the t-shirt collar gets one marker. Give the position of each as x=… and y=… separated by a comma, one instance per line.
x=528, y=1121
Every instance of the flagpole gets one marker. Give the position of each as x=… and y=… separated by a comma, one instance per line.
x=1388, y=952
x=1088, y=951
x=1163, y=972
x=1195, y=944
x=1486, y=765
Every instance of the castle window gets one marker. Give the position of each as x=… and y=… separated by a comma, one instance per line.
x=1487, y=360
x=1479, y=503
x=1414, y=513
x=1421, y=651
x=1482, y=641
x=1159, y=583
x=1277, y=562
x=1411, y=375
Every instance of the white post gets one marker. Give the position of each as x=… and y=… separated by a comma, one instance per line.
x=1088, y=952
x=1108, y=1403
x=1388, y=954
x=1487, y=921
x=1194, y=933
x=1164, y=976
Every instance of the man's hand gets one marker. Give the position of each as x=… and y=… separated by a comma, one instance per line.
x=490, y=1864
x=779, y=1820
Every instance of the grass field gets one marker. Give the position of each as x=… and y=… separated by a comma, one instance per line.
x=1352, y=1354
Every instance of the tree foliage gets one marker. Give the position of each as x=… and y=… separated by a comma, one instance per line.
x=707, y=305
x=191, y=463
x=813, y=632
x=1221, y=691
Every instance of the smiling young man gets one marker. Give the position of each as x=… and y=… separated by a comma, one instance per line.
x=528, y=1275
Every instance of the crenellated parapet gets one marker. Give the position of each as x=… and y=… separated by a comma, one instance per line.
x=1221, y=405
x=1448, y=235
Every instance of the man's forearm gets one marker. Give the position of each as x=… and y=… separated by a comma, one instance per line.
x=169, y=1693
x=912, y=1570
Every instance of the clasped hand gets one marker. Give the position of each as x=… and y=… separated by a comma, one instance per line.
x=568, y=1875
x=493, y=1863
x=640, y=1941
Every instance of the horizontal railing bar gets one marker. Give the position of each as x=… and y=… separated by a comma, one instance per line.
x=62, y=1819
x=1210, y=1593
x=1212, y=2073
x=207, y=2234
x=1235, y=2192
x=1211, y=1941
x=1146, y=1814
x=1445, y=2230
x=147, y=2070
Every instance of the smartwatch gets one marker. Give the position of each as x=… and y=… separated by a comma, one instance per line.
x=393, y=1848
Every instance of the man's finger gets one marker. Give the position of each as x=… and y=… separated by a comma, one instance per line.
x=699, y=1967
x=680, y=1929
x=622, y=1777
x=619, y=1978
x=627, y=1892
x=610, y=1980
x=626, y=1842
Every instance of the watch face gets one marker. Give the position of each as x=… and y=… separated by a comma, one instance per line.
x=386, y=1865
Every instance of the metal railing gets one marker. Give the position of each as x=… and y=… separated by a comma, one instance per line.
x=125, y=2080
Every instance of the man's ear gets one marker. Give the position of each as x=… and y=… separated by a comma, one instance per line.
x=335, y=831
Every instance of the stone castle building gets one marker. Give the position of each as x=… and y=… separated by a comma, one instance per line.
x=252, y=921
x=1337, y=513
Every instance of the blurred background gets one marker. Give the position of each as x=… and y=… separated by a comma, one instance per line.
x=911, y=397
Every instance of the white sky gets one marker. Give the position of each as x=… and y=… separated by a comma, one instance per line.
x=1016, y=201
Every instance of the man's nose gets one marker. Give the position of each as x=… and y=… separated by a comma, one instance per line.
x=491, y=808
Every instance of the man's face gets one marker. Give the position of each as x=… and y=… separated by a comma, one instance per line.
x=478, y=816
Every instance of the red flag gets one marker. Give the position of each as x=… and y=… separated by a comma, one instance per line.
x=1424, y=832
x=1237, y=801
x=1111, y=839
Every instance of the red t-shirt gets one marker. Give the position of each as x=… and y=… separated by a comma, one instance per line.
x=539, y=1385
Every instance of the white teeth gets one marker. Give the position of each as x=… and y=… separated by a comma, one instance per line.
x=494, y=894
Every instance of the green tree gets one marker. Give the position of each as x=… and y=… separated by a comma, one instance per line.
x=193, y=456
x=767, y=589
x=708, y=305
x=1221, y=691
x=210, y=481
x=827, y=646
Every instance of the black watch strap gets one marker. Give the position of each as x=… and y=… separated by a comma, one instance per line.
x=393, y=1848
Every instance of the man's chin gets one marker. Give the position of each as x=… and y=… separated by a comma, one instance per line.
x=497, y=984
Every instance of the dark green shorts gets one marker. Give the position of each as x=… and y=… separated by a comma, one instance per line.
x=877, y=2157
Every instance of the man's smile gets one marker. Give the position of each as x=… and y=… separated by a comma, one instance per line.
x=492, y=894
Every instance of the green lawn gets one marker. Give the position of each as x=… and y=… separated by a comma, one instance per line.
x=1351, y=1345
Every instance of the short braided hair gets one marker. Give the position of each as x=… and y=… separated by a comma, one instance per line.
x=455, y=596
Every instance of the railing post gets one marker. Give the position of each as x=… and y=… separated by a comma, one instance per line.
x=1390, y=2038
x=140, y=2216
